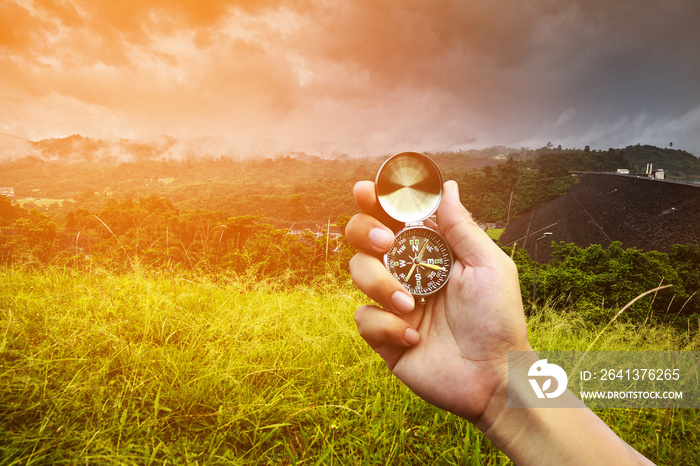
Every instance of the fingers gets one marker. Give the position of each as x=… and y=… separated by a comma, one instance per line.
x=370, y=276
x=366, y=198
x=366, y=233
x=388, y=334
x=469, y=242
x=371, y=237
x=379, y=327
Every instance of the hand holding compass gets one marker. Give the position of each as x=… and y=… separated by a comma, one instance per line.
x=453, y=351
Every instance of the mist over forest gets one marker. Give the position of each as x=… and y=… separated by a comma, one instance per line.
x=60, y=175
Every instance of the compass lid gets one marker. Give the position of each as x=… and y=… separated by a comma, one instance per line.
x=409, y=187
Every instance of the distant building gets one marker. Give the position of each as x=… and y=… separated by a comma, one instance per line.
x=7, y=192
x=623, y=171
x=659, y=174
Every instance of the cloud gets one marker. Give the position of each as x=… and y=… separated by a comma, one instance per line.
x=352, y=76
x=15, y=26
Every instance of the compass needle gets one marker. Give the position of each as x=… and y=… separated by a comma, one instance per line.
x=432, y=266
x=410, y=272
x=420, y=254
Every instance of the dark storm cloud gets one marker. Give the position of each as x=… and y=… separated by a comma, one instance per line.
x=599, y=73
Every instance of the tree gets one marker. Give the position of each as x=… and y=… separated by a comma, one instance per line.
x=611, y=277
x=9, y=212
x=38, y=234
x=297, y=208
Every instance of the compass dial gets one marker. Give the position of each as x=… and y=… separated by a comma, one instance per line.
x=420, y=259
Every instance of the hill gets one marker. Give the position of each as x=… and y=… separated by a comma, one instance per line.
x=602, y=208
x=676, y=163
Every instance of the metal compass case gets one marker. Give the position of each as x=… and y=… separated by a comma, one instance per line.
x=409, y=189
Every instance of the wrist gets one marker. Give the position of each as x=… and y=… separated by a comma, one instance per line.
x=501, y=424
x=565, y=433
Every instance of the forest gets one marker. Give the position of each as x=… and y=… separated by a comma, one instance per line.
x=497, y=183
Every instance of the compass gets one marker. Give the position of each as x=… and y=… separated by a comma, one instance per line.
x=409, y=189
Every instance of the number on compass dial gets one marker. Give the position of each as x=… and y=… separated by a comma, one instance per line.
x=421, y=260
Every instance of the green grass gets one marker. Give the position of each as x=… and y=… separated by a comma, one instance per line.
x=495, y=233
x=145, y=368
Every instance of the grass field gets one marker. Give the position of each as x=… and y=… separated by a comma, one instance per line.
x=151, y=369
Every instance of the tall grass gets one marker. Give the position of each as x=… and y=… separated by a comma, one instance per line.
x=147, y=368
x=666, y=436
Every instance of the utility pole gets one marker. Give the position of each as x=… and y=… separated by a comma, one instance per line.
x=534, y=274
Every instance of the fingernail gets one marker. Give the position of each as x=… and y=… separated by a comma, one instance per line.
x=402, y=301
x=452, y=185
x=380, y=238
x=411, y=336
x=356, y=187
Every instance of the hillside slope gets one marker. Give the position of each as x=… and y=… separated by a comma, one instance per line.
x=676, y=163
x=602, y=208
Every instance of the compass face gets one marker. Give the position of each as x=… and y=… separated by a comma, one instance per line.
x=420, y=259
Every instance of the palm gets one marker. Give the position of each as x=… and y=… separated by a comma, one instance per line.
x=466, y=332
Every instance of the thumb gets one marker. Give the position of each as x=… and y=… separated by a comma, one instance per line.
x=469, y=242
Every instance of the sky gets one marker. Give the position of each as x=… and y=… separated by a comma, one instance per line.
x=356, y=77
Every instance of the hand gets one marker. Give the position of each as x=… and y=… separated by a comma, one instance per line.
x=453, y=350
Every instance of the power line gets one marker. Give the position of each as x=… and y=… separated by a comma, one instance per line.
x=13, y=136
x=83, y=112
